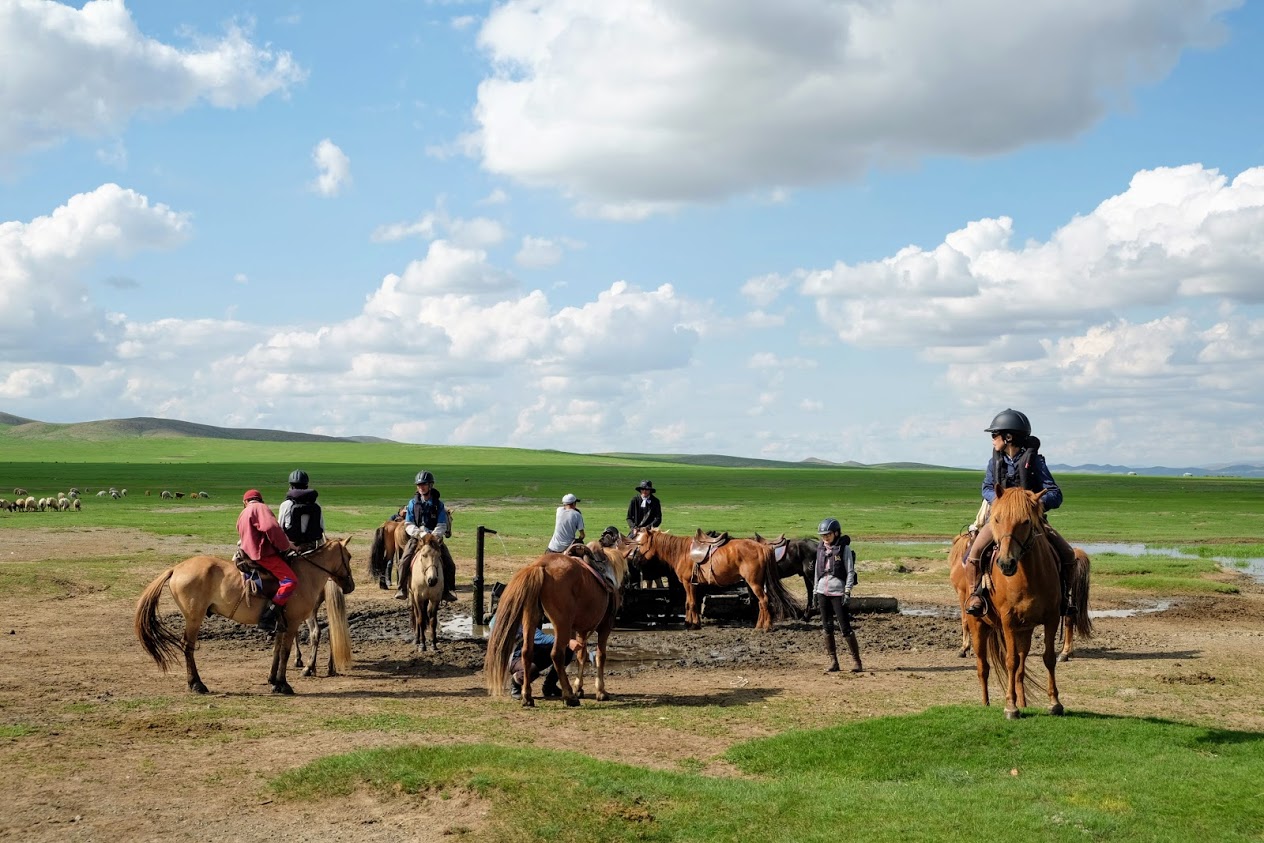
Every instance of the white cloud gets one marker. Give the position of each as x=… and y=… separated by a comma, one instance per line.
x=635, y=106
x=333, y=168
x=538, y=253
x=496, y=197
x=473, y=233
x=88, y=71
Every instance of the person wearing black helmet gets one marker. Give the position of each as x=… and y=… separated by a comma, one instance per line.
x=644, y=510
x=1017, y=462
x=424, y=514
x=835, y=578
x=300, y=515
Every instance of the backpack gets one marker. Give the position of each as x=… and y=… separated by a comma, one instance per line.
x=295, y=532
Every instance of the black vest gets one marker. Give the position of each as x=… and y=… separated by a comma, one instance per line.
x=1028, y=465
x=304, y=508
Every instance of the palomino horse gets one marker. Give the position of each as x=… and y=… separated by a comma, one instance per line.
x=206, y=585
x=577, y=603
x=1079, y=595
x=426, y=590
x=735, y=559
x=339, y=656
x=1023, y=593
x=796, y=557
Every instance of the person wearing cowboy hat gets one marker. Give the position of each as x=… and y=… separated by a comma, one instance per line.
x=569, y=526
x=644, y=510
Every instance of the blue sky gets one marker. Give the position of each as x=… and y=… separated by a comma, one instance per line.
x=841, y=229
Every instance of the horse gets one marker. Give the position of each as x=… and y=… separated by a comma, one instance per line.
x=576, y=602
x=616, y=556
x=384, y=551
x=1079, y=595
x=730, y=561
x=1024, y=594
x=339, y=645
x=426, y=591
x=796, y=557
x=205, y=585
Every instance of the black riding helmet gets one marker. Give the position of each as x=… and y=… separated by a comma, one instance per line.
x=829, y=525
x=424, y=476
x=1010, y=421
x=299, y=479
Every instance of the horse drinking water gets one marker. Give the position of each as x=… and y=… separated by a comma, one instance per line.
x=206, y=585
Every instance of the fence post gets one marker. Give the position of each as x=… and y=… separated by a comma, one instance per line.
x=478, y=574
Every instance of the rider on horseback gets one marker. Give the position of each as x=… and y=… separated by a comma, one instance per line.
x=1017, y=462
x=426, y=514
x=263, y=540
x=300, y=515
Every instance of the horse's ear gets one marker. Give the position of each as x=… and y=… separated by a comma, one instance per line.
x=758, y=537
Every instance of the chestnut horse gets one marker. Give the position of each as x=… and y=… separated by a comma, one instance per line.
x=616, y=557
x=736, y=559
x=206, y=585
x=1023, y=592
x=576, y=602
x=425, y=590
x=385, y=550
x=1079, y=594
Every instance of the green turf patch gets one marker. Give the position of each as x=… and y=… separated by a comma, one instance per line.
x=17, y=730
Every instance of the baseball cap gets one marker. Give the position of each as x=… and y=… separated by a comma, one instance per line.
x=568, y=498
x=251, y=495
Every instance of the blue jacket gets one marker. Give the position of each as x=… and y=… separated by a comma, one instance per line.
x=1052, y=497
x=426, y=513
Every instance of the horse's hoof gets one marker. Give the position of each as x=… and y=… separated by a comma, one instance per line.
x=311, y=671
x=572, y=702
x=282, y=688
x=603, y=697
x=526, y=703
x=961, y=654
x=198, y=688
x=1056, y=710
x=1062, y=657
x=1013, y=714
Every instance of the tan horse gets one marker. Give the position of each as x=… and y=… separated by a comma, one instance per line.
x=736, y=559
x=206, y=585
x=576, y=603
x=1079, y=594
x=1023, y=593
x=426, y=590
x=339, y=655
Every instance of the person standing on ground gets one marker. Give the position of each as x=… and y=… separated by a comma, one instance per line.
x=568, y=527
x=644, y=510
x=263, y=540
x=835, y=578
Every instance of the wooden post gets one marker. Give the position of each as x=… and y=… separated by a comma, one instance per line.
x=478, y=574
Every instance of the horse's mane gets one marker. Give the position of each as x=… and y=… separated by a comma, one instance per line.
x=1014, y=507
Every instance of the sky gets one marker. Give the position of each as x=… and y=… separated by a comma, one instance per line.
x=830, y=229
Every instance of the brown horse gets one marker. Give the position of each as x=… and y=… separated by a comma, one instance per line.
x=736, y=559
x=1079, y=588
x=388, y=542
x=425, y=590
x=206, y=585
x=339, y=645
x=616, y=557
x=1023, y=593
x=576, y=603
x=796, y=557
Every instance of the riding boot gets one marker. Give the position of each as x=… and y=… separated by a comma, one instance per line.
x=854, y=648
x=975, y=605
x=272, y=619
x=1067, y=609
x=405, y=574
x=831, y=649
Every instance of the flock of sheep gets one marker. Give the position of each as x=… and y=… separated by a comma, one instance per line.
x=67, y=501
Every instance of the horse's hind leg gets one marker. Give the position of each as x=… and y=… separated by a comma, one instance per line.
x=281, y=655
x=313, y=635
x=193, y=625
x=434, y=626
x=1068, y=639
x=764, y=621
x=1051, y=663
x=603, y=635
x=581, y=662
x=563, y=635
x=965, y=639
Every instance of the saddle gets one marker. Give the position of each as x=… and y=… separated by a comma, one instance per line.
x=779, y=545
x=702, y=546
x=258, y=579
x=591, y=564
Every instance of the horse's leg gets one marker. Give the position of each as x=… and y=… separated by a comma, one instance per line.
x=764, y=621
x=1051, y=663
x=1023, y=637
x=979, y=634
x=434, y=624
x=563, y=633
x=603, y=635
x=417, y=611
x=1014, y=688
x=1068, y=639
x=581, y=661
x=193, y=625
x=693, y=620
x=965, y=638
x=280, y=656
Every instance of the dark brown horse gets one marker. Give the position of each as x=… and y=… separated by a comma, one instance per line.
x=576, y=602
x=206, y=585
x=385, y=550
x=796, y=558
x=1023, y=592
x=1079, y=587
x=744, y=559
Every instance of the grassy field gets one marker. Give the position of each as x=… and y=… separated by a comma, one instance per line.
x=936, y=775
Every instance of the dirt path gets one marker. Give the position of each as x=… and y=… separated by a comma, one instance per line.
x=96, y=743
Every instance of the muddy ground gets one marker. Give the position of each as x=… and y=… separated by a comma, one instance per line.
x=97, y=744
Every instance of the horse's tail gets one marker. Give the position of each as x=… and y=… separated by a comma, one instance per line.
x=520, y=596
x=377, y=554
x=339, y=630
x=1079, y=594
x=781, y=605
x=164, y=645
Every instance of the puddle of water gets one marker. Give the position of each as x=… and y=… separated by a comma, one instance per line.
x=1147, y=608
x=1254, y=567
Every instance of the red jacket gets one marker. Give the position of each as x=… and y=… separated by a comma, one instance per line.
x=261, y=534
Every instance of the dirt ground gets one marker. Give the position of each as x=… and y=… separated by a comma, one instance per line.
x=97, y=744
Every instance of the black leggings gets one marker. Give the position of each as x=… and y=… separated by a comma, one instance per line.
x=831, y=608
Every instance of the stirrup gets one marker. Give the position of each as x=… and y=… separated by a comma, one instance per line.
x=976, y=609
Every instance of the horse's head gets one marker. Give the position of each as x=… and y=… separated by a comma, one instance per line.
x=340, y=567
x=429, y=558
x=1016, y=520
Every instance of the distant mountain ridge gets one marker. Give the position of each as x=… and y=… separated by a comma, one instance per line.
x=1232, y=470
x=146, y=426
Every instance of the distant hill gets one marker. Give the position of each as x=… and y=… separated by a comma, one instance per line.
x=158, y=428
x=1232, y=470
x=724, y=461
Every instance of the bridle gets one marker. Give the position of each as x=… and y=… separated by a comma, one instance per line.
x=344, y=567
